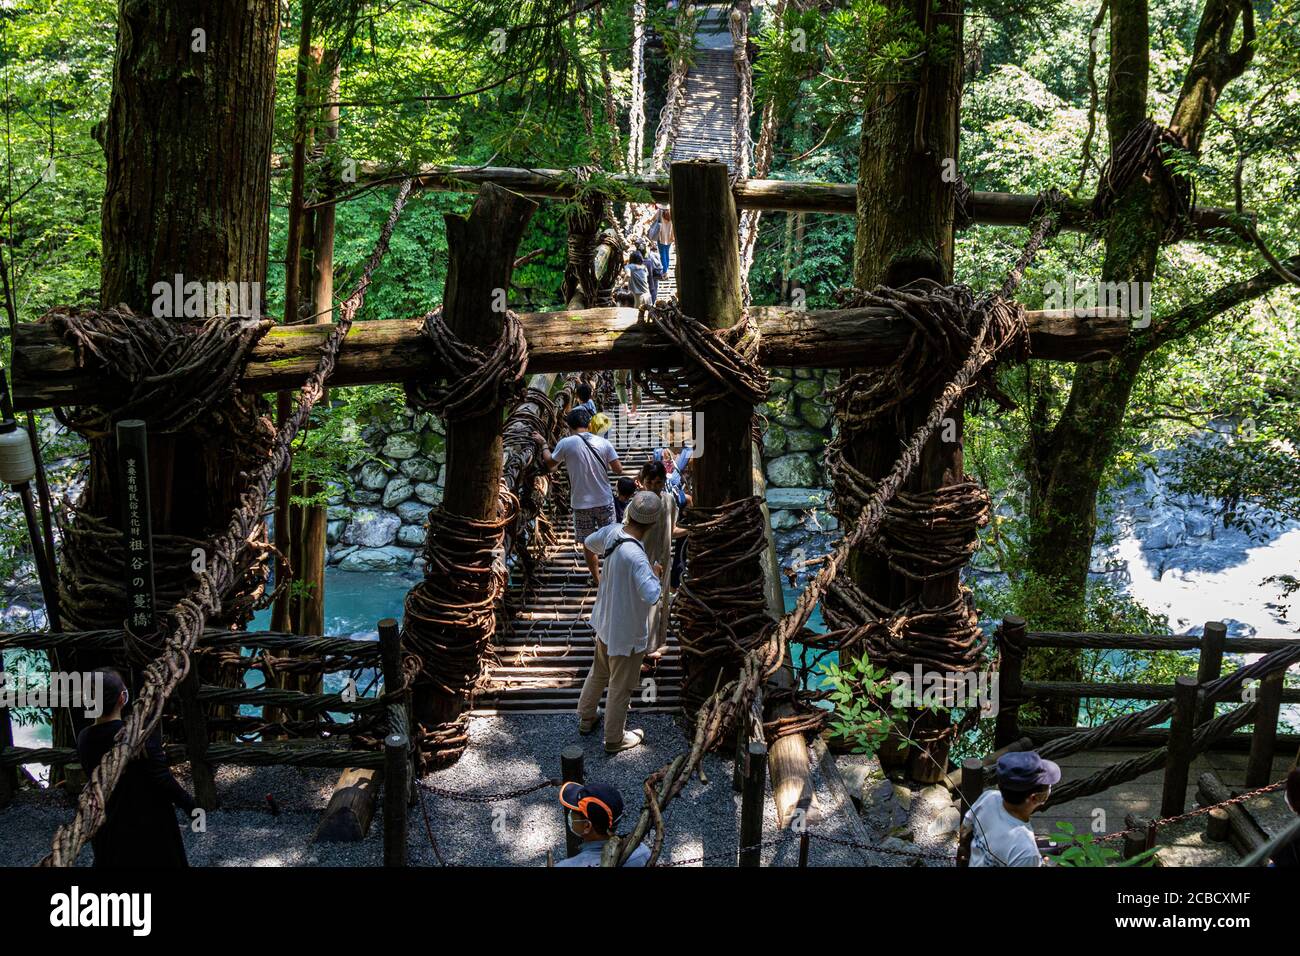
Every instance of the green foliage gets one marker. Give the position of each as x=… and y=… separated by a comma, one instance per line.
x=862, y=697
x=1084, y=850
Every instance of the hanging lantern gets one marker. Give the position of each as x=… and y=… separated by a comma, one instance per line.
x=17, y=466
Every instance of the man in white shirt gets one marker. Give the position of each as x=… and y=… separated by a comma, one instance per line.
x=996, y=828
x=628, y=588
x=585, y=457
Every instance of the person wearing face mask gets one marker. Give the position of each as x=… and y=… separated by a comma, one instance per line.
x=594, y=812
x=996, y=830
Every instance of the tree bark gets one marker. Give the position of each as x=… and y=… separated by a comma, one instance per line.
x=1071, y=459
x=187, y=146
x=905, y=232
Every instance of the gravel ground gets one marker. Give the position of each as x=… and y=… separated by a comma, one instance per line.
x=506, y=753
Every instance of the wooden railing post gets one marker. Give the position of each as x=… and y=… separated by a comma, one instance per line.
x=751, y=804
x=1263, y=739
x=8, y=774
x=1210, y=666
x=390, y=664
x=1012, y=645
x=571, y=771
x=1178, y=763
x=972, y=782
x=397, y=781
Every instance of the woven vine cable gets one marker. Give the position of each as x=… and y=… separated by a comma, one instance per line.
x=186, y=620
x=717, y=717
x=1145, y=152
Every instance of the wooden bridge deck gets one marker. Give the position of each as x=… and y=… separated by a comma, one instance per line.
x=708, y=120
x=543, y=653
x=1183, y=844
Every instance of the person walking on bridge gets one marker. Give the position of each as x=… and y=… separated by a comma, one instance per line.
x=588, y=459
x=629, y=588
x=659, y=542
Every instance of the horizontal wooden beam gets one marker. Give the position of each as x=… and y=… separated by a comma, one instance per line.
x=46, y=371
x=987, y=208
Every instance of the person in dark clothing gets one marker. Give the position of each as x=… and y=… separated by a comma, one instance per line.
x=626, y=488
x=1289, y=855
x=140, y=825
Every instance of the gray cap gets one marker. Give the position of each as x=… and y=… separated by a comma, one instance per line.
x=645, y=507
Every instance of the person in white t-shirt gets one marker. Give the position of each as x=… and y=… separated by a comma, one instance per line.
x=588, y=459
x=996, y=829
x=629, y=588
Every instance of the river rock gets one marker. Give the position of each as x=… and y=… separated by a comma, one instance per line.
x=398, y=490
x=420, y=469
x=774, y=437
x=372, y=476
x=359, y=496
x=804, y=439
x=1198, y=523
x=401, y=445
x=792, y=471
x=371, y=528
x=377, y=559
x=411, y=535
x=780, y=385
x=433, y=445
x=796, y=499
x=785, y=520
x=1167, y=530
x=815, y=414
x=333, y=531
x=807, y=388
x=946, y=822
x=413, y=512
x=429, y=493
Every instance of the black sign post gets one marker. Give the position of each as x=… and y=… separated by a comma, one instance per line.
x=137, y=566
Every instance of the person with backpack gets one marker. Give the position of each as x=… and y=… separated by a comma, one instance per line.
x=628, y=589
x=654, y=271
x=588, y=459
x=638, y=283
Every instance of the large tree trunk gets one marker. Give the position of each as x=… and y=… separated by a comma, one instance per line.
x=905, y=232
x=187, y=144
x=1071, y=460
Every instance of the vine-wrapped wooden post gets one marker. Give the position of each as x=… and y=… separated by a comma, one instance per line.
x=1178, y=763
x=1012, y=646
x=1210, y=666
x=1263, y=740
x=481, y=254
x=708, y=286
x=571, y=771
x=751, y=804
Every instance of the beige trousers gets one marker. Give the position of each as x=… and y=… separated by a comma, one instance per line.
x=622, y=675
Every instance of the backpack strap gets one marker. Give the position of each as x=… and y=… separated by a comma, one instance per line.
x=620, y=542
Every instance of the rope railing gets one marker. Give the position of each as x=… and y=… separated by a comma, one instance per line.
x=187, y=619
x=996, y=331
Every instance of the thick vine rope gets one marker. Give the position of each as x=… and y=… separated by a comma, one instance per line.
x=716, y=719
x=719, y=363
x=474, y=382
x=187, y=619
x=1144, y=153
